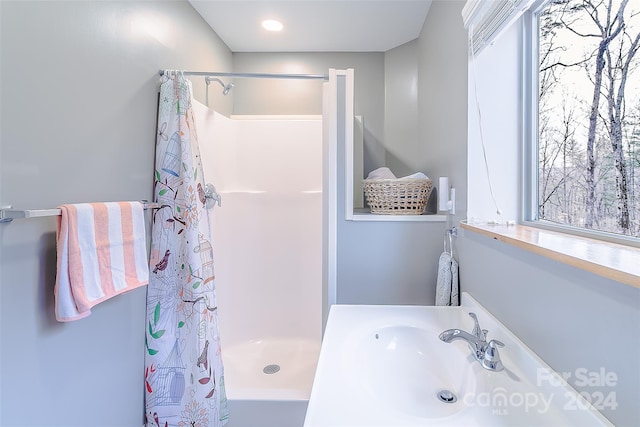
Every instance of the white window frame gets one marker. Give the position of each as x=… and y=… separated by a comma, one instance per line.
x=530, y=158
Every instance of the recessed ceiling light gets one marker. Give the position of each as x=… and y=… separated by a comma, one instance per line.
x=271, y=25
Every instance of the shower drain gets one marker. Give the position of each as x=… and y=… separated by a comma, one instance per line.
x=271, y=369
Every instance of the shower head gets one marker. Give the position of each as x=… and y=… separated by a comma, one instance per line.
x=225, y=88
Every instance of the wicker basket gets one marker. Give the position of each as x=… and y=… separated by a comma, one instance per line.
x=406, y=196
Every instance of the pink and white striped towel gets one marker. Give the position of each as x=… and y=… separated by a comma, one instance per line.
x=102, y=252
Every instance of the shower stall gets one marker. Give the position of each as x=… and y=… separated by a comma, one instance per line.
x=274, y=243
x=267, y=239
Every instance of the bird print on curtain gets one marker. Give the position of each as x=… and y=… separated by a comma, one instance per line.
x=184, y=376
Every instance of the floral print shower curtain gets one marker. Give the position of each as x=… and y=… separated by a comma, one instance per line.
x=184, y=378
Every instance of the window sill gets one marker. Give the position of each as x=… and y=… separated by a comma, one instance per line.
x=610, y=260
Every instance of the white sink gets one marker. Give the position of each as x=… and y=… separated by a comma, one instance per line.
x=399, y=370
x=385, y=365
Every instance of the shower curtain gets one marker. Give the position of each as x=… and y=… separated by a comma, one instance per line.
x=184, y=378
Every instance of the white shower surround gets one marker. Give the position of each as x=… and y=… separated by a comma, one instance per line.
x=267, y=240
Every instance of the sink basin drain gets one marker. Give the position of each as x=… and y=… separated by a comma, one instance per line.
x=271, y=369
x=447, y=396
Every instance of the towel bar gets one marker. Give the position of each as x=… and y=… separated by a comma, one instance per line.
x=7, y=214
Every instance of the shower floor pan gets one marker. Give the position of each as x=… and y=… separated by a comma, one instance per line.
x=268, y=381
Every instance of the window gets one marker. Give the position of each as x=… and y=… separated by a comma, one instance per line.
x=587, y=135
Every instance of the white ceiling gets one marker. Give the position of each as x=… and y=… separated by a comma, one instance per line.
x=315, y=25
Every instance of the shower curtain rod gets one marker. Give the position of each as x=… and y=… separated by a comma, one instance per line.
x=255, y=75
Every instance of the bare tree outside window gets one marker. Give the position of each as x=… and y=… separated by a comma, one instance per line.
x=589, y=114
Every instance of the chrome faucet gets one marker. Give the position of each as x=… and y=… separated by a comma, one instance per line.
x=485, y=353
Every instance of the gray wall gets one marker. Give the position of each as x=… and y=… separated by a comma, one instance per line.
x=572, y=319
x=79, y=92
x=401, y=124
x=442, y=103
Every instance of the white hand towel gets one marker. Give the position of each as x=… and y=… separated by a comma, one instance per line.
x=381, y=173
x=102, y=252
x=416, y=175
